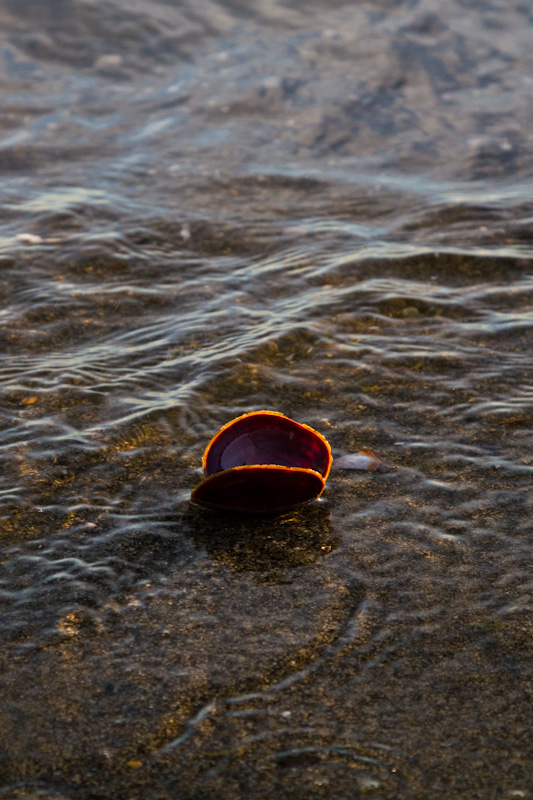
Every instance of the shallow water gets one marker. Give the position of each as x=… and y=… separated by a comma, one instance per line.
x=320, y=208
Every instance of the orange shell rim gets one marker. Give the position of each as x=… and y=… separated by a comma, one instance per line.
x=271, y=414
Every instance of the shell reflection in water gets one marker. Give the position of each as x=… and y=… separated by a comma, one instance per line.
x=263, y=462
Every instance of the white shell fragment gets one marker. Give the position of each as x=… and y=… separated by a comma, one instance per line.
x=364, y=459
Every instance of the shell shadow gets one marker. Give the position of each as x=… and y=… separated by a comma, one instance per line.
x=270, y=546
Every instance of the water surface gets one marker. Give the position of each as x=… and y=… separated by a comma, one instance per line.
x=323, y=209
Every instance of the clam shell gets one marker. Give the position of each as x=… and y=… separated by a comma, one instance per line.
x=267, y=437
x=263, y=462
x=259, y=489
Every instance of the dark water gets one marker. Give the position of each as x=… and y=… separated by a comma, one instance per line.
x=323, y=208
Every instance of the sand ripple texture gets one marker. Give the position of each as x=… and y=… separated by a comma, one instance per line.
x=214, y=207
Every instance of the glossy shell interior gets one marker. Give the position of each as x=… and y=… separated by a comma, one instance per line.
x=263, y=462
x=267, y=437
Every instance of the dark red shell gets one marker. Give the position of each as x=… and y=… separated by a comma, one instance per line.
x=259, y=489
x=263, y=462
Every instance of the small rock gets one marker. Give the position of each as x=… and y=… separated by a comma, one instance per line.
x=410, y=311
x=29, y=238
x=364, y=460
x=108, y=62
